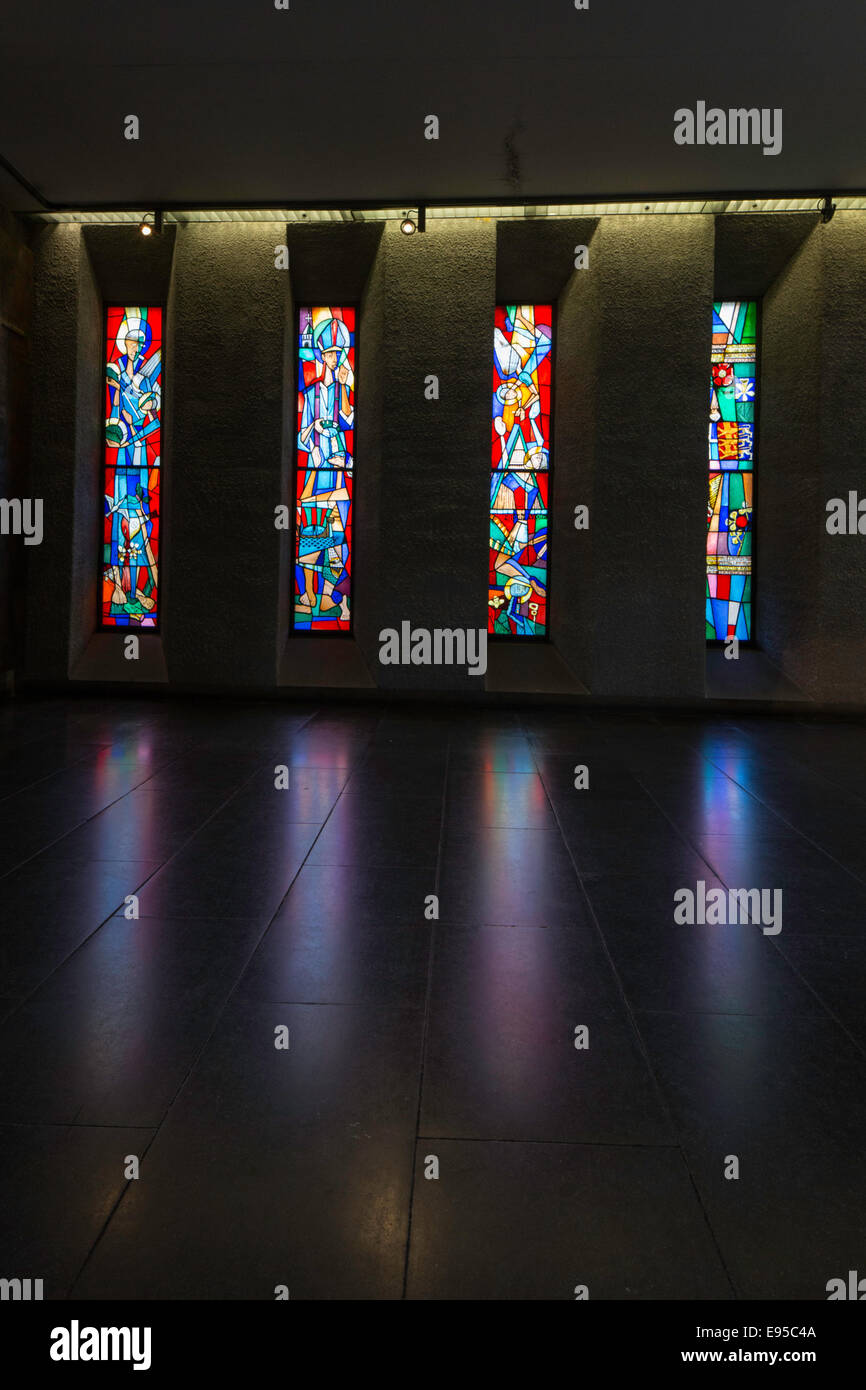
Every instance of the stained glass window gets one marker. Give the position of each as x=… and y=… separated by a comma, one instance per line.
x=131, y=467
x=522, y=363
x=325, y=468
x=732, y=461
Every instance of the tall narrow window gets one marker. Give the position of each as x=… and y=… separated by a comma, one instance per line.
x=732, y=461
x=131, y=467
x=522, y=361
x=324, y=472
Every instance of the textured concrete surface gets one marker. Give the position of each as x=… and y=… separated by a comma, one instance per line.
x=642, y=321
x=58, y=250
x=16, y=310
x=87, y=526
x=535, y=260
x=840, y=664
x=226, y=386
x=788, y=492
x=811, y=587
x=439, y=291
x=752, y=250
x=575, y=445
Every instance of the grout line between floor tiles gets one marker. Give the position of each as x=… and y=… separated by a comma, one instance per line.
x=109, y=1217
x=550, y=1143
x=424, y=1030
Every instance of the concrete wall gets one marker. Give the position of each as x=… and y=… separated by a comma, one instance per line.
x=635, y=343
x=225, y=400
x=630, y=430
x=577, y=405
x=813, y=588
x=841, y=664
x=16, y=305
x=438, y=320
x=812, y=585
x=789, y=483
x=59, y=251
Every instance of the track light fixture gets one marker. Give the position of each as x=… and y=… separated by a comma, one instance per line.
x=151, y=223
x=415, y=220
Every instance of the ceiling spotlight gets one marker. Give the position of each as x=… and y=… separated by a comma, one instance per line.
x=415, y=220
x=151, y=223
x=828, y=207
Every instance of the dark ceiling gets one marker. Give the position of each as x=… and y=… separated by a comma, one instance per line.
x=241, y=103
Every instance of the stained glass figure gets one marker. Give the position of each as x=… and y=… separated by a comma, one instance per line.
x=325, y=468
x=733, y=381
x=520, y=470
x=131, y=467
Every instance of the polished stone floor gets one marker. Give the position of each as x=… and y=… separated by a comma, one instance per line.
x=415, y=1040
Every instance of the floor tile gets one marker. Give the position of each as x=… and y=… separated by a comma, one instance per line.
x=360, y=895
x=388, y=832
x=341, y=961
x=228, y=1213
x=502, y=1060
x=509, y=877
x=535, y=1221
x=504, y=800
x=344, y=1065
